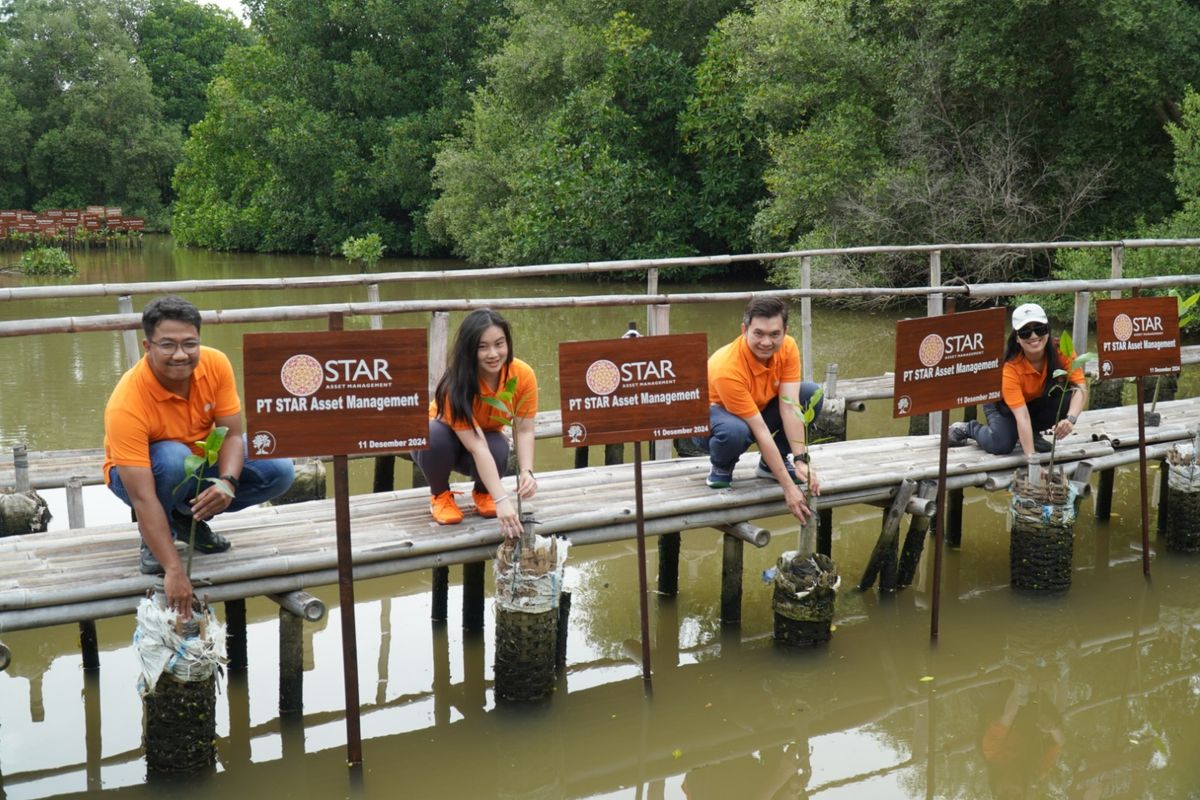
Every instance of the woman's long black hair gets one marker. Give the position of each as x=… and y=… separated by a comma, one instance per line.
x=459, y=385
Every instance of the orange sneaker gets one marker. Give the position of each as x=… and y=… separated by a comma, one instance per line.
x=445, y=511
x=484, y=504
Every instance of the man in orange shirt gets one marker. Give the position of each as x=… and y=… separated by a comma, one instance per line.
x=746, y=380
x=173, y=397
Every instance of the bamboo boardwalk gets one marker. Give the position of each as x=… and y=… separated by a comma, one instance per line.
x=92, y=572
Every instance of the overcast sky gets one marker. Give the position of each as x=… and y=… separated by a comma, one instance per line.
x=230, y=5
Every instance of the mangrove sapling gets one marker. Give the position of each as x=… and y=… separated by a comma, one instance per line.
x=807, y=413
x=367, y=249
x=193, y=468
x=503, y=401
x=1061, y=385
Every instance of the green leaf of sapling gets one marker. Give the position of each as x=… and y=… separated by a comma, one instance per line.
x=221, y=485
x=192, y=464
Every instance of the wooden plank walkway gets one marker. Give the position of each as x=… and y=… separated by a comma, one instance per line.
x=92, y=573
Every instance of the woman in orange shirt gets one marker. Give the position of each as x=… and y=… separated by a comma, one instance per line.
x=1027, y=407
x=466, y=432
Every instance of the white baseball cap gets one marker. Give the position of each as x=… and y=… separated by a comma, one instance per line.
x=1025, y=314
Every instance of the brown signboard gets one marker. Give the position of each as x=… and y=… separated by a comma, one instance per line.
x=948, y=361
x=633, y=390
x=1137, y=336
x=336, y=392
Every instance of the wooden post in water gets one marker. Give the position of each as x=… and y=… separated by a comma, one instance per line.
x=291, y=662
x=954, y=515
x=1164, y=495
x=88, y=646
x=129, y=337
x=1104, y=493
x=668, y=564
x=472, y=600
x=914, y=540
x=731, y=580
x=235, y=634
x=439, y=340
x=883, y=561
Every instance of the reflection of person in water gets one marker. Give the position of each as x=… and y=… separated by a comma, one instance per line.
x=772, y=774
x=1022, y=743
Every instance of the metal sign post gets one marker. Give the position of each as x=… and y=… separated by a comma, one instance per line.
x=332, y=393
x=1139, y=336
x=943, y=363
x=620, y=390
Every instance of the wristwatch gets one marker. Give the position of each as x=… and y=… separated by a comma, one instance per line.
x=232, y=481
x=1071, y=418
x=804, y=458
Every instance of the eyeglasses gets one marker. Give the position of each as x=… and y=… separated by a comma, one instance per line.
x=169, y=347
x=1039, y=330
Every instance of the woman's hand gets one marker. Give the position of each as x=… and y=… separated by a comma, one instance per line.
x=526, y=484
x=1063, y=428
x=506, y=514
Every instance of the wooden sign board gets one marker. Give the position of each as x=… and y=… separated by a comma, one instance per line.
x=948, y=361
x=633, y=390
x=336, y=392
x=1137, y=336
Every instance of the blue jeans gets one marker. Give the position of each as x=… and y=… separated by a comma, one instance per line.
x=730, y=435
x=260, y=481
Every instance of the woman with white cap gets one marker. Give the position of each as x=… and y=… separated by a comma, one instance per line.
x=1026, y=406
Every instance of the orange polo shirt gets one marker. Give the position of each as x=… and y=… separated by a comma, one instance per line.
x=141, y=410
x=743, y=385
x=1021, y=382
x=524, y=402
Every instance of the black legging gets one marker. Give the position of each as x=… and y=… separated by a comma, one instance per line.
x=446, y=453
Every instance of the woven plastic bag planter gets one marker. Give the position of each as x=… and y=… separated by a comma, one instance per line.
x=22, y=512
x=178, y=685
x=805, y=593
x=1183, y=501
x=528, y=576
x=1042, y=544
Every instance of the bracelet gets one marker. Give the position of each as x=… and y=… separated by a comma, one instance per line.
x=500, y=498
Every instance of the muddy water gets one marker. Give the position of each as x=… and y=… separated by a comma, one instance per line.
x=1090, y=694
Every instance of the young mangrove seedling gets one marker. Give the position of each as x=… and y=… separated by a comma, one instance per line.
x=1061, y=386
x=193, y=468
x=503, y=402
x=807, y=412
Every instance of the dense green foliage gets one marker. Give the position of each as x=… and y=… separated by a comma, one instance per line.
x=563, y=130
x=82, y=115
x=325, y=128
x=46, y=261
x=367, y=249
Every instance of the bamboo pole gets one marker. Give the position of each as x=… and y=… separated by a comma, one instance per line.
x=301, y=604
x=754, y=534
x=129, y=337
x=806, y=344
x=110, y=322
x=373, y=297
x=1079, y=326
x=89, y=646
x=543, y=270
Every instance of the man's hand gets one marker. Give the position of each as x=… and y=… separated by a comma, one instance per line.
x=212, y=501
x=179, y=592
x=795, y=502
x=1063, y=428
x=805, y=473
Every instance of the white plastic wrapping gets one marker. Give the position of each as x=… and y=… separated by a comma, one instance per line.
x=530, y=582
x=187, y=657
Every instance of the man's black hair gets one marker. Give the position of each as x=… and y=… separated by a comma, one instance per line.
x=169, y=307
